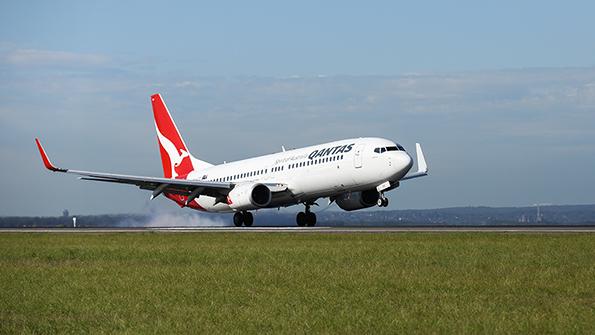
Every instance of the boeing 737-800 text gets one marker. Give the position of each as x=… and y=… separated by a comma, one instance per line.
x=355, y=173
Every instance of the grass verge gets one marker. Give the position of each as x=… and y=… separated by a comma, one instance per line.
x=297, y=283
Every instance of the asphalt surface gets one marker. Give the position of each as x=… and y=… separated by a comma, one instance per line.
x=491, y=229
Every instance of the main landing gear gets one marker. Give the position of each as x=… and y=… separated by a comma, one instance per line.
x=382, y=200
x=306, y=218
x=244, y=218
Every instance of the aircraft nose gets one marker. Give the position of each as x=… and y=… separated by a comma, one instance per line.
x=401, y=164
x=406, y=160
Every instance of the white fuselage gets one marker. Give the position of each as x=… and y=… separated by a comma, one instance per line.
x=324, y=170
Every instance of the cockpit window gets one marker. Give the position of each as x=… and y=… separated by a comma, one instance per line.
x=398, y=147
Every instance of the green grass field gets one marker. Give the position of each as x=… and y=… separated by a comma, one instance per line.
x=297, y=283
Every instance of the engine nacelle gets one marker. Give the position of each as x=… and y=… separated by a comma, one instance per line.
x=351, y=201
x=249, y=196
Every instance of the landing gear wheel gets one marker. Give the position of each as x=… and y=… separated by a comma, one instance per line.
x=248, y=219
x=238, y=219
x=310, y=219
x=382, y=201
x=385, y=202
x=301, y=219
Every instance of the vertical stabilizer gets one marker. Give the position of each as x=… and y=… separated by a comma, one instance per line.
x=175, y=157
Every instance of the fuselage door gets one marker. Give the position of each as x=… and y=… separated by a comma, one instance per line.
x=358, y=156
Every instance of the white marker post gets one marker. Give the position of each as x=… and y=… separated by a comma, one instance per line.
x=74, y=221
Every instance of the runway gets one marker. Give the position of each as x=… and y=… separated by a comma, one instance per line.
x=326, y=230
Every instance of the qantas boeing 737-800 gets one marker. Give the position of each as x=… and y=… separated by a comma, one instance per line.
x=355, y=173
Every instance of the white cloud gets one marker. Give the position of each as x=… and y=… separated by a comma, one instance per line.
x=27, y=57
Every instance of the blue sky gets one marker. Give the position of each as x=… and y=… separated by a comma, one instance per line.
x=278, y=38
x=502, y=95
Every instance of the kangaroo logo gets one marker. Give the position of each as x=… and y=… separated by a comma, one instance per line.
x=179, y=158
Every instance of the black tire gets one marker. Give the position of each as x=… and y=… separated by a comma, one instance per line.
x=310, y=219
x=301, y=219
x=248, y=219
x=385, y=202
x=238, y=219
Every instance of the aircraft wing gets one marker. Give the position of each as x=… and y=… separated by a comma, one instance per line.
x=190, y=188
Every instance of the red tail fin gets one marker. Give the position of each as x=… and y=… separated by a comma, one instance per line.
x=175, y=157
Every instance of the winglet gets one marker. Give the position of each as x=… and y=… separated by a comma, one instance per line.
x=45, y=159
x=422, y=166
x=421, y=160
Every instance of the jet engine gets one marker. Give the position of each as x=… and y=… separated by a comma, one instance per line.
x=249, y=196
x=351, y=201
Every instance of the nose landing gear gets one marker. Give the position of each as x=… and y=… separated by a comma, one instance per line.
x=306, y=218
x=382, y=201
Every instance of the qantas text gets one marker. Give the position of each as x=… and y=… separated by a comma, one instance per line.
x=331, y=151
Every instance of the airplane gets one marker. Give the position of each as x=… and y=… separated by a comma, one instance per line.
x=354, y=173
